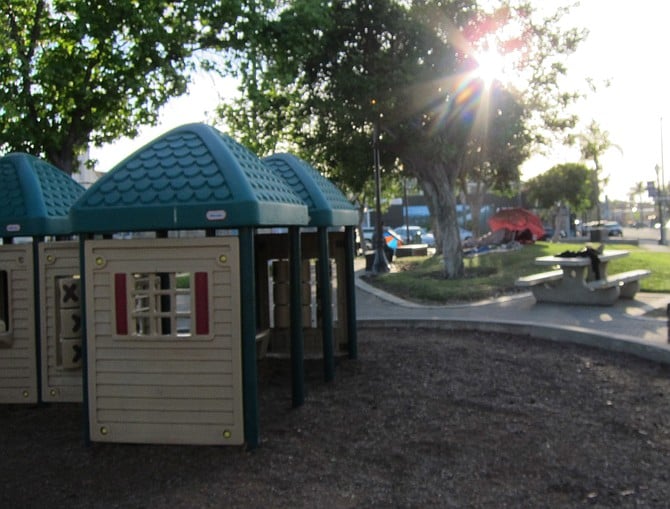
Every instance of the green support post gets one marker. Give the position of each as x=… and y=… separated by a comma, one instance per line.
x=297, y=343
x=248, y=327
x=326, y=305
x=350, y=249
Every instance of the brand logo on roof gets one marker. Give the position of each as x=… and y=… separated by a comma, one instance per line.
x=216, y=215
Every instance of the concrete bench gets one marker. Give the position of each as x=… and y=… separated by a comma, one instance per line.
x=569, y=287
x=540, y=278
x=574, y=283
x=412, y=250
x=628, y=282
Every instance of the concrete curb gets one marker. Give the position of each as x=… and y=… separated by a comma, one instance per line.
x=606, y=340
x=560, y=334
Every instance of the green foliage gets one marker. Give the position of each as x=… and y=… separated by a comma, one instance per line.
x=485, y=276
x=593, y=144
x=570, y=183
x=406, y=67
x=494, y=274
x=78, y=72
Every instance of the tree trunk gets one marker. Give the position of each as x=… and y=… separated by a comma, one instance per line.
x=62, y=159
x=443, y=207
x=438, y=183
x=475, y=200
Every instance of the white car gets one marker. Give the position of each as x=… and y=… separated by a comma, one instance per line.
x=368, y=234
x=613, y=228
x=413, y=232
x=429, y=239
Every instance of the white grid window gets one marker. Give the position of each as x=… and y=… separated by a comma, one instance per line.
x=161, y=304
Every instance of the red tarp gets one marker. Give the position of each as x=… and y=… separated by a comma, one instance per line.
x=517, y=220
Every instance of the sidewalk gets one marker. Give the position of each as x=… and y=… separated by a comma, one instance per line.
x=638, y=326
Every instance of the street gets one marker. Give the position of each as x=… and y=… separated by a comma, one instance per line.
x=648, y=238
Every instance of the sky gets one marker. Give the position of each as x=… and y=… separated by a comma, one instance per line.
x=628, y=46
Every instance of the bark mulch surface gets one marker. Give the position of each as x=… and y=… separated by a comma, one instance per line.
x=421, y=419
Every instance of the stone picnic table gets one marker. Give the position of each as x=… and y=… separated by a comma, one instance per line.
x=582, y=279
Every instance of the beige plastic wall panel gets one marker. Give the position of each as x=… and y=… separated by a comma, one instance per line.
x=167, y=390
x=282, y=315
x=224, y=316
x=18, y=361
x=281, y=293
x=280, y=270
x=61, y=366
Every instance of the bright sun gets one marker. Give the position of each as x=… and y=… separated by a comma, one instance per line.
x=490, y=66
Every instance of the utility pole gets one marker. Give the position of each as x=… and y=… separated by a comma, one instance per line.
x=380, y=263
x=659, y=203
x=661, y=191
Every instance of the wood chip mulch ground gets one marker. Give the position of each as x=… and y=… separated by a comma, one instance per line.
x=421, y=419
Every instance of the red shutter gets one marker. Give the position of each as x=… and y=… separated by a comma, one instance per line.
x=201, y=303
x=121, y=304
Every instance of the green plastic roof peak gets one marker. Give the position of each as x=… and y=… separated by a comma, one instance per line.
x=192, y=177
x=35, y=197
x=326, y=203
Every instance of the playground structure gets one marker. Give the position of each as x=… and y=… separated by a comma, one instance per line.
x=169, y=255
x=326, y=254
x=60, y=321
x=36, y=349
x=163, y=340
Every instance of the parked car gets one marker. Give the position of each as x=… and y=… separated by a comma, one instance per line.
x=549, y=233
x=613, y=228
x=413, y=234
x=427, y=237
x=417, y=235
x=368, y=233
x=391, y=238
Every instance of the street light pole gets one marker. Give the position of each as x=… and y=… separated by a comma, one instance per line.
x=661, y=190
x=380, y=263
x=659, y=201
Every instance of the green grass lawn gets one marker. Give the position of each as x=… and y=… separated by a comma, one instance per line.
x=493, y=274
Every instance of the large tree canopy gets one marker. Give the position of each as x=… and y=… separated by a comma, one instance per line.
x=410, y=69
x=570, y=184
x=75, y=72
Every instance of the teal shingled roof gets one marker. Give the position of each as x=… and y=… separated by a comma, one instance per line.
x=192, y=177
x=35, y=197
x=326, y=203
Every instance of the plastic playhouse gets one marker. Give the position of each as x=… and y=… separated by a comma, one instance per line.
x=176, y=243
x=40, y=310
